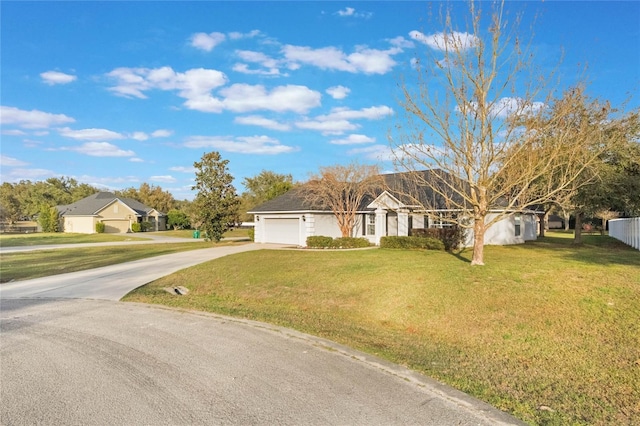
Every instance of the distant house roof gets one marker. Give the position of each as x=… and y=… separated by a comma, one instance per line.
x=405, y=187
x=92, y=204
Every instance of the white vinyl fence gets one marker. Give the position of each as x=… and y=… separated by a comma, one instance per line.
x=626, y=230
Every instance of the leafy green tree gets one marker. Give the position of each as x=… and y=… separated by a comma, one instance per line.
x=9, y=203
x=178, y=219
x=48, y=218
x=150, y=195
x=216, y=203
x=265, y=186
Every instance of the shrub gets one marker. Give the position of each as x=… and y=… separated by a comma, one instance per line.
x=100, y=226
x=135, y=227
x=146, y=226
x=413, y=242
x=350, y=242
x=452, y=237
x=252, y=234
x=319, y=241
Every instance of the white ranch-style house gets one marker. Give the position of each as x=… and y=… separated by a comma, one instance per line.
x=289, y=219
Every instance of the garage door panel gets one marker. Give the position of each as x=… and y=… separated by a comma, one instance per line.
x=282, y=231
x=116, y=226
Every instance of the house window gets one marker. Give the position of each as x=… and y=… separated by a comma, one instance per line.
x=517, y=224
x=440, y=221
x=371, y=224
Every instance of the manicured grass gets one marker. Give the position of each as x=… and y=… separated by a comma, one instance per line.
x=42, y=263
x=547, y=331
x=46, y=238
x=188, y=233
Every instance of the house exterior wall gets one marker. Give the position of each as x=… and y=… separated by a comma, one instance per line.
x=79, y=224
x=326, y=225
x=388, y=223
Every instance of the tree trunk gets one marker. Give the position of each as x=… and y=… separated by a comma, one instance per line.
x=478, y=242
x=543, y=223
x=577, y=234
x=567, y=217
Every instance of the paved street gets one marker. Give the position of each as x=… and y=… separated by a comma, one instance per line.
x=71, y=354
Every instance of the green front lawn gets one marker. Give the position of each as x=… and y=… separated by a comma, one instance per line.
x=46, y=238
x=34, y=264
x=547, y=331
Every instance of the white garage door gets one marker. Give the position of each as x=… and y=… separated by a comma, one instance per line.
x=116, y=226
x=282, y=231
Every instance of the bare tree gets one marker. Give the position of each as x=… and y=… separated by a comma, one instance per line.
x=478, y=112
x=343, y=190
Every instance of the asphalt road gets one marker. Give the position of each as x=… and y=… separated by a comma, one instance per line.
x=68, y=358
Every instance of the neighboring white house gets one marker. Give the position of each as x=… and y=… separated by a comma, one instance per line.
x=289, y=219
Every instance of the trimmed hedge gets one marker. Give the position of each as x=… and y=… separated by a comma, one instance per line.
x=252, y=234
x=423, y=243
x=452, y=238
x=320, y=241
x=100, y=226
x=136, y=227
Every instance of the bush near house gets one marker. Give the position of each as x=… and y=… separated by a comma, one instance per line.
x=252, y=234
x=423, y=243
x=320, y=241
x=136, y=227
x=452, y=238
x=100, y=226
x=146, y=226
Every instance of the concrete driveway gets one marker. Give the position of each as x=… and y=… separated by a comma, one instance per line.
x=72, y=354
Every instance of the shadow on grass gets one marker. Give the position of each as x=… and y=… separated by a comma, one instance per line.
x=595, y=249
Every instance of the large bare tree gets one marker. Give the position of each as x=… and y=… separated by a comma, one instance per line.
x=475, y=111
x=343, y=188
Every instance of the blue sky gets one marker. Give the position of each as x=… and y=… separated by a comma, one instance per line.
x=115, y=94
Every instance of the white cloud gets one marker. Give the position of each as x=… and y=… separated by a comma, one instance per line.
x=90, y=134
x=374, y=152
x=100, y=149
x=14, y=132
x=26, y=174
x=338, y=120
x=353, y=139
x=54, y=77
x=182, y=169
x=33, y=119
x=351, y=12
x=163, y=178
x=270, y=65
x=507, y=106
x=327, y=127
x=6, y=161
x=453, y=41
x=371, y=113
x=206, y=41
x=256, y=120
x=194, y=85
x=243, y=145
x=139, y=136
x=365, y=60
x=401, y=42
x=136, y=160
x=245, y=97
x=244, y=69
x=162, y=133
x=338, y=92
x=237, y=35
x=348, y=11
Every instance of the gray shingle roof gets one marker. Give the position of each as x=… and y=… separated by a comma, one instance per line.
x=94, y=203
x=403, y=186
